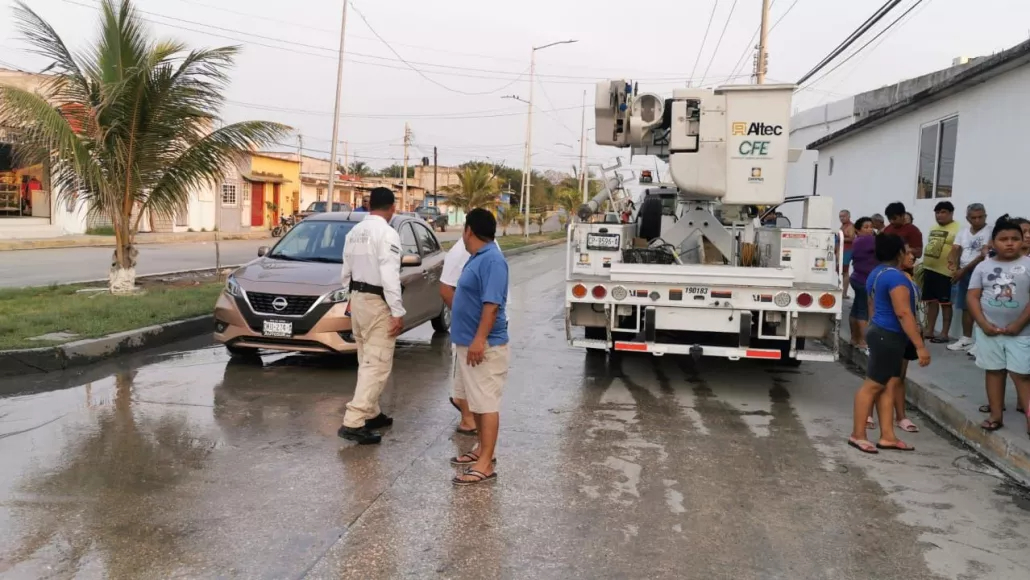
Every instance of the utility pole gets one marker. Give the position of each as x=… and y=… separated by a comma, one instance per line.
x=300, y=160
x=336, y=110
x=583, y=151
x=436, y=199
x=404, y=187
x=528, y=183
x=762, y=59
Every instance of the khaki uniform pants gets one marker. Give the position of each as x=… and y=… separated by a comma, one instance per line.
x=370, y=320
x=481, y=385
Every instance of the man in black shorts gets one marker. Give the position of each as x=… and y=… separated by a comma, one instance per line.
x=937, y=273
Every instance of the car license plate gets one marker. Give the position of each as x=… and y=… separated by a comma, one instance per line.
x=277, y=329
x=603, y=242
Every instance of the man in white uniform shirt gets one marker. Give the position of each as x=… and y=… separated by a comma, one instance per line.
x=453, y=265
x=372, y=272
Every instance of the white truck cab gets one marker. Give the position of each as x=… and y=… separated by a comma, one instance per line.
x=693, y=270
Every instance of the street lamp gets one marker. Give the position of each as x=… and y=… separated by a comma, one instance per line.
x=527, y=175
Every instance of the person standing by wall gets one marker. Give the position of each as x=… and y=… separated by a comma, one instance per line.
x=863, y=260
x=479, y=329
x=999, y=299
x=878, y=223
x=900, y=226
x=969, y=250
x=893, y=330
x=937, y=273
x=372, y=272
x=847, y=233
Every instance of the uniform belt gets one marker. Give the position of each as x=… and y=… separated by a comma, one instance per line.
x=367, y=288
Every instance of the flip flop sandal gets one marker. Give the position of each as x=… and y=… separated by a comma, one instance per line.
x=461, y=431
x=987, y=409
x=940, y=340
x=896, y=446
x=989, y=425
x=457, y=462
x=907, y=426
x=857, y=444
x=480, y=477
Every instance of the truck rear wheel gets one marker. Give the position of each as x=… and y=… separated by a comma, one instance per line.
x=649, y=219
x=595, y=333
x=785, y=357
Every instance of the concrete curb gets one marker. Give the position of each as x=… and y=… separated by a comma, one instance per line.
x=934, y=403
x=89, y=351
x=143, y=239
x=84, y=352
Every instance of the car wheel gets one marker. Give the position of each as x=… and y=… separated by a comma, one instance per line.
x=242, y=353
x=442, y=323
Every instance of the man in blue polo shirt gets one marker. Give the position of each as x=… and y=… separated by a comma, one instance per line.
x=479, y=331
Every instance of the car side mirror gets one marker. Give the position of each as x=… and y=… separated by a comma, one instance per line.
x=262, y=251
x=411, y=260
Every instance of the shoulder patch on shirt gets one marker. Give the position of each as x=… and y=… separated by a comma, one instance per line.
x=395, y=249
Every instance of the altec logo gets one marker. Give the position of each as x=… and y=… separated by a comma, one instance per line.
x=756, y=129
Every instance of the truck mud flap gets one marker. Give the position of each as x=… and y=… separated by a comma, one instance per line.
x=744, y=339
x=650, y=333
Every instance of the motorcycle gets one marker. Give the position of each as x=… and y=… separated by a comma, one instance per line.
x=286, y=224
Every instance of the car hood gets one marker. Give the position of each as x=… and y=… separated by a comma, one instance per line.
x=282, y=276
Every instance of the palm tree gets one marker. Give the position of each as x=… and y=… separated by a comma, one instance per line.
x=127, y=125
x=476, y=188
x=360, y=169
x=569, y=201
x=505, y=217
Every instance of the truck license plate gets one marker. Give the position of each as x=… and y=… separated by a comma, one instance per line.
x=697, y=290
x=603, y=242
x=277, y=329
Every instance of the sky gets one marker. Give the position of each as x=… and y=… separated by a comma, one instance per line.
x=445, y=65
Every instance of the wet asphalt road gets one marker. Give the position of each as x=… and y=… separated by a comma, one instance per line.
x=183, y=465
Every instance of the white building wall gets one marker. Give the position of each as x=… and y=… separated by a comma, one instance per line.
x=878, y=166
x=202, y=209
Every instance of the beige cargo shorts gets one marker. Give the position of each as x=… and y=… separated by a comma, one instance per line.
x=481, y=385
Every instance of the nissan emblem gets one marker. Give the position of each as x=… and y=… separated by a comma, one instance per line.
x=279, y=304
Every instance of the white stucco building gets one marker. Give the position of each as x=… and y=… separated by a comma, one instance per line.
x=958, y=134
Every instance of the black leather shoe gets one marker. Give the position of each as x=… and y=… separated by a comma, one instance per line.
x=378, y=422
x=361, y=436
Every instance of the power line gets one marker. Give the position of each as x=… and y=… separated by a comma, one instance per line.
x=424, y=75
x=704, y=39
x=717, y=44
x=854, y=36
x=861, y=48
x=489, y=114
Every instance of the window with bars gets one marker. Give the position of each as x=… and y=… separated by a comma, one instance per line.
x=937, y=145
x=230, y=197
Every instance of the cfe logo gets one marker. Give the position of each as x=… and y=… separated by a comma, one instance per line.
x=760, y=129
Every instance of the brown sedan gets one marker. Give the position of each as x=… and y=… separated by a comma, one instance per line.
x=291, y=298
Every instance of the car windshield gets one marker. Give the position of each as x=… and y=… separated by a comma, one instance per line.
x=319, y=206
x=313, y=241
x=429, y=210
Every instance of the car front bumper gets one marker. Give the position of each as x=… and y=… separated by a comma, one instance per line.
x=326, y=328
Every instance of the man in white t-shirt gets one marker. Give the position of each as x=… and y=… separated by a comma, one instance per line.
x=453, y=264
x=971, y=247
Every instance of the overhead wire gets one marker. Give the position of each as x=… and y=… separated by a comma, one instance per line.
x=704, y=39
x=854, y=36
x=861, y=48
x=719, y=43
x=487, y=114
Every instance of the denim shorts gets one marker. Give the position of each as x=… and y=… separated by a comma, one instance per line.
x=1002, y=353
x=960, y=291
x=860, y=306
x=887, y=353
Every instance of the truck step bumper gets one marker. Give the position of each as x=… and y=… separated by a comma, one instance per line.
x=732, y=353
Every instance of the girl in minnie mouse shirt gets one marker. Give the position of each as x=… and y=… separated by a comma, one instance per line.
x=999, y=300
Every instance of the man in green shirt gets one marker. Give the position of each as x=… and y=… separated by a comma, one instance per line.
x=936, y=272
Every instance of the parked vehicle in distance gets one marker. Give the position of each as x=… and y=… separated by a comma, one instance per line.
x=291, y=298
x=286, y=223
x=433, y=217
x=320, y=207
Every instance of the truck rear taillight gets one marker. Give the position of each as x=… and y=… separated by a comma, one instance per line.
x=599, y=292
x=579, y=291
x=827, y=301
x=804, y=300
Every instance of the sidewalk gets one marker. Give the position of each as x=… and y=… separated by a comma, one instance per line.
x=84, y=241
x=949, y=392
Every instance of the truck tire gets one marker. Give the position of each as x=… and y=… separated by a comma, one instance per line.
x=595, y=333
x=785, y=358
x=649, y=219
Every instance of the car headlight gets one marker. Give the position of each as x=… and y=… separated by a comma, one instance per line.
x=337, y=296
x=232, y=287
